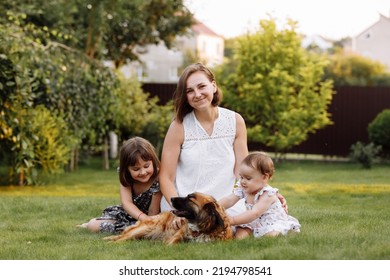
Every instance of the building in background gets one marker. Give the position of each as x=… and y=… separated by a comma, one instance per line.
x=158, y=64
x=317, y=42
x=374, y=42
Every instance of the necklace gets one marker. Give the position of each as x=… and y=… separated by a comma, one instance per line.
x=209, y=125
x=210, y=128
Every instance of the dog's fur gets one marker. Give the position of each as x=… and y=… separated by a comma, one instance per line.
x=205, y=221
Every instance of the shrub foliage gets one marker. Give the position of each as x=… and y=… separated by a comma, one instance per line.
x=379, y=131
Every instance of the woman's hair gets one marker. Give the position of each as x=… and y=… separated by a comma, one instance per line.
x=261, y=162
x=131, y=151
x=182, y=108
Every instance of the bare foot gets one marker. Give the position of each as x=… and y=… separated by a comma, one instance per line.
x=82, y=225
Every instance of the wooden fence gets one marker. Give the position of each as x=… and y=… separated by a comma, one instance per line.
x=351, y=110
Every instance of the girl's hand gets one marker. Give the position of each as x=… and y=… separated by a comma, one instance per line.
x=150, y=218
x=144, y=217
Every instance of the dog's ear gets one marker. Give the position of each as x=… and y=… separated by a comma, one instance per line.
x=210, y=218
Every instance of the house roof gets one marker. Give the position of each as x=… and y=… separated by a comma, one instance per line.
x=321, y=41
x=199, y=28
x=381, y=18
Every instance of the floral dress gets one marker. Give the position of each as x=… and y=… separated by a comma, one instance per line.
x=120, y=217
x=274, y=219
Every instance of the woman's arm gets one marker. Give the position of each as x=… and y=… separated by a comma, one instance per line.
x=240, y=143
x=283, y=201
x=169, y=159
x=154, y=207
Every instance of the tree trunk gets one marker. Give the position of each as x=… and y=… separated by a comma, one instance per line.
x=71, y=162
x=21, y=178
x=106, y=163
x=76, y=159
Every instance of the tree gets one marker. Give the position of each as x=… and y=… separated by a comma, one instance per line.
x=52, y=75
x=379, y=131
x=105, y=29
x=349, y=69
x=47, y=88
x=277, y=87
x=143, y=22
x=99, y=30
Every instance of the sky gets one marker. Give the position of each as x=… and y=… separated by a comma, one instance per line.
x=333, y=19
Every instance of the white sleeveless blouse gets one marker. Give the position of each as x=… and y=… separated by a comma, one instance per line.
x=206, y=162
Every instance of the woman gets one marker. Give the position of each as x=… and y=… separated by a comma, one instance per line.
x=204, y=144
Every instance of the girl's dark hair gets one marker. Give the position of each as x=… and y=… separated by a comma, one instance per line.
x=182, y=108
x=131, y=151
x=261, y=162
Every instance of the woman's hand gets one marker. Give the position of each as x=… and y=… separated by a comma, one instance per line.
x=283, y=201
x=231, y=220
x=178, y=222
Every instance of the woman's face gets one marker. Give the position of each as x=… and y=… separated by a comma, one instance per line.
x=200, y=91
x=142, y=171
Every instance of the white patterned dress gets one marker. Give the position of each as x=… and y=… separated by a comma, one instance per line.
x=274, y=219
x=206, y=162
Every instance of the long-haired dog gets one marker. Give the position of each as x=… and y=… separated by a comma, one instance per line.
x=205, y=221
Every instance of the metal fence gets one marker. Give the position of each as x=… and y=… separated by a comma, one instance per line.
x=163, y=91
x=351, y=110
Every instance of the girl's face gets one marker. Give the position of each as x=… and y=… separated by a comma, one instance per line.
x=251, y=180
x=200, y=91
x=142, y=170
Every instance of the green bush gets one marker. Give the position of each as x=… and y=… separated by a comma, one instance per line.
x=364, y=154
x=379, y=131
x=279, y=90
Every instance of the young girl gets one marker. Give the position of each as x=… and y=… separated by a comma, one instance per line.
x=139, y=191
x=265, y=214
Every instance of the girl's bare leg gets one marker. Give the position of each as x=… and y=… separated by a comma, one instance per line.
x=94, y=224
x=242, y=233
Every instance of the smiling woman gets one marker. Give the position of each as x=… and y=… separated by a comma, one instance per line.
x=202, y=136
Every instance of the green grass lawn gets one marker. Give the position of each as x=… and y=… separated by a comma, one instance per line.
x=344, y=211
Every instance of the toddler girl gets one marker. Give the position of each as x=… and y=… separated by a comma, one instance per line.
x=265, y=214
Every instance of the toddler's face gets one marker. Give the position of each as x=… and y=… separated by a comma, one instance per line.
x=251, y=180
